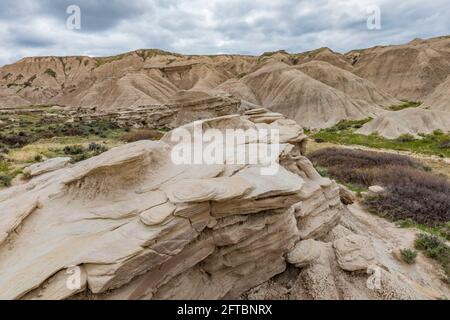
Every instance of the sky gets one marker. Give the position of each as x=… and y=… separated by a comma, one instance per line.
x=108, y=27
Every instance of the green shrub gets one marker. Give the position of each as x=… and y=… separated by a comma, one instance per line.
x=409, y=256
x=405, y=105
x=435, y=248
x=73, y=150
x=50, y=72
x=5, y=180
x=406, y=138
x=97, y=148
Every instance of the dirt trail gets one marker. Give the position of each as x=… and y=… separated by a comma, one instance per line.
x=386, y=238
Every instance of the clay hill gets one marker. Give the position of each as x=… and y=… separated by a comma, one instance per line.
x=316, y=88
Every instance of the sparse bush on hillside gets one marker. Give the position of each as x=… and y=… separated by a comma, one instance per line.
x=50, y=72
x=73, y=150
x=79, y=153
x=5, y=180
x=15, y=140
x=143, y=134
x=406, y=138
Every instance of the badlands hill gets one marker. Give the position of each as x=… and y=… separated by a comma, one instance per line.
x=316, y=88
x=408, y=121
x=411, y=71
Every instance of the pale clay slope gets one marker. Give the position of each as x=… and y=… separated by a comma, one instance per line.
x=352, y=86
x=140, y=79
x=412, y=121
x=347, y=82
x=411, y=71
x=439, y=99
x=140, y=227
x=313, y=104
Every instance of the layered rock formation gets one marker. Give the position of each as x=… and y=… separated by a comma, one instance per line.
x=133, y=225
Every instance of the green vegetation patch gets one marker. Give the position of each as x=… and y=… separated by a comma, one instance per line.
x=435, y=248
x=437, y=143
x=408, y=255
x=79, y=153
x=405, y=105
x=50, y=72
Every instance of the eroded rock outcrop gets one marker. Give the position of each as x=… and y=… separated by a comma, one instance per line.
x=137, y=226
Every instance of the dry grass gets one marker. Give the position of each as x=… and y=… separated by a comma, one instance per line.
x=143, y=134
x=411, y=192
x=438, y=165
x=50, y=148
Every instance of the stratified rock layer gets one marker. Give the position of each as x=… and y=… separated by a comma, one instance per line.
x=133, y=225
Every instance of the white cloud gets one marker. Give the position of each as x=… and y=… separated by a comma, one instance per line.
x=37, y=27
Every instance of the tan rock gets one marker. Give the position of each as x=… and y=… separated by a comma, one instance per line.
x=46, y=166
x=347, y=196
x=354, y=253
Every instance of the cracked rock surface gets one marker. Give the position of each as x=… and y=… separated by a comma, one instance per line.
x=139, y=227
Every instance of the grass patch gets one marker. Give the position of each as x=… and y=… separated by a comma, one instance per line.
x=50, y=72
x=28, y=128
x=79, y=153
x=435, y=248
x=7, y=174
x=437, y=143
x=405, y=105
x=408, y=255
x=442, y=231
x=30, y=137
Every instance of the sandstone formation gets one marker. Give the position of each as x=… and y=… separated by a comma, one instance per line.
x=46, y=166
x=354, y=253
x=139, y=227
x=132, y=224
x=354, y=261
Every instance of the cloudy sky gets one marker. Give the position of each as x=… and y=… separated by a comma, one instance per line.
x=38, y=27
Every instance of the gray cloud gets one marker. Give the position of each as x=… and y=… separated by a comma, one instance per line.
x=37, y=27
